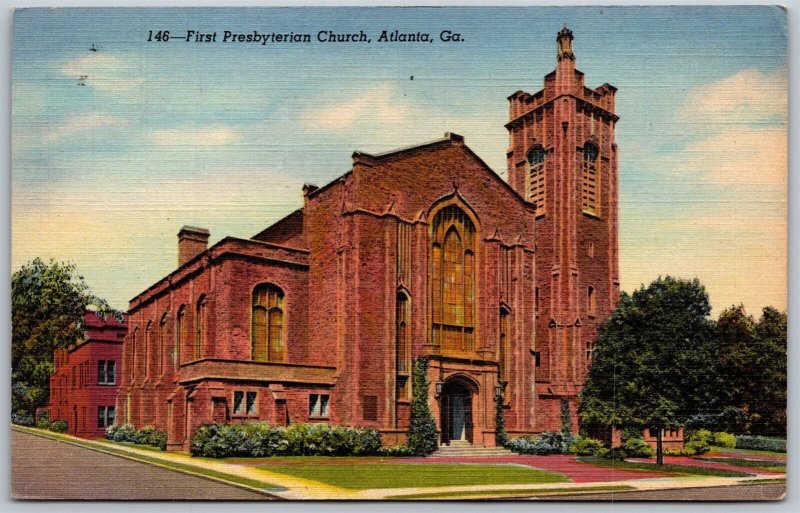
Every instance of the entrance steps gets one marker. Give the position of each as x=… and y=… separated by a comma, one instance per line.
x=462, y=448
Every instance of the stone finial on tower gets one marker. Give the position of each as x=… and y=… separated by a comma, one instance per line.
x=564, y=41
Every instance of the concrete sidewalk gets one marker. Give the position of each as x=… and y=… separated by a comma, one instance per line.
x=292, y=488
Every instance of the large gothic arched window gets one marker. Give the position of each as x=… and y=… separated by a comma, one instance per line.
x=453, y=280
x=589, y=179
x=536, y=177
x=267, y=332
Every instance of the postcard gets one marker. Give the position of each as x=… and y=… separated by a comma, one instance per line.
x=399, y=253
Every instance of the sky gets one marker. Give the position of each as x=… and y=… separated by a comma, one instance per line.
x=224, y=135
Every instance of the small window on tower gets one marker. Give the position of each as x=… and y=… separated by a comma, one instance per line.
x=589, y=185
x=535, y=187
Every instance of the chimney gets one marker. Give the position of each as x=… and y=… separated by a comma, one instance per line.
x=191, y=242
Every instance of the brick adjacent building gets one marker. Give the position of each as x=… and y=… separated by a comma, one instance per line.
x=423, y=251
x=83, y=387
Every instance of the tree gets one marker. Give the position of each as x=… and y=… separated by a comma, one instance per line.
x=769, y=373
x=753, y=369
x=500, y=433
x=48, y=301
x=655, y=364
x=422, y=430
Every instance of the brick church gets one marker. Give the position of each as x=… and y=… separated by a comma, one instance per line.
x=422, y=251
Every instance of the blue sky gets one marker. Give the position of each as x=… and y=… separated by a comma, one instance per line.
x=224, y=135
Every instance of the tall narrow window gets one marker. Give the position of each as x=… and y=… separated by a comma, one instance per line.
x=267, y=330
x=536, y=177
x=149, y=344
x=180, y=335
x=504, y=356
x=589, y=179
x=199, y=326
x=132, y=359
x=403, y=344
x=591, y=301
x=453, y=280
x=162, y=343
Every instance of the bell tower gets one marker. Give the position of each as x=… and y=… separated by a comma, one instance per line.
x=563, y=158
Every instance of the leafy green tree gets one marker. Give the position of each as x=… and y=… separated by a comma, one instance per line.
x=48, y=301
x=770, y=372
x=656, y=363
x=422, y=430
x=753, y=369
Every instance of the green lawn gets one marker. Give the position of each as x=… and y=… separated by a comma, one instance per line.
x=748, y=451
x=666, y=468
x=511, y=492
x=775, y=466
x=361, y=476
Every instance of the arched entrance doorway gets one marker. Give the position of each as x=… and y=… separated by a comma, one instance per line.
x=456, y=409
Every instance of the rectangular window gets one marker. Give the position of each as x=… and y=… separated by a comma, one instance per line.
x=106, y=372
x=370, y=407
x=251, y=403
x=318, y=405
x=323, y=405
x=105, y=416
x=238, y=407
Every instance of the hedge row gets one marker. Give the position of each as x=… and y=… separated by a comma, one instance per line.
x=554, y=442
x=148, y=435
x=260, y=439
x=761, y=443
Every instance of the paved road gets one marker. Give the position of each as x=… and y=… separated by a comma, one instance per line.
x=46, y=469
x=715, y=493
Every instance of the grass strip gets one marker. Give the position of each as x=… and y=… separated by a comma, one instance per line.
x=180, y=467
x=363, y=476
x=781, y=480
x=755, y=452
x=510, y=493
x=741, y=462
x=138, y=446
x=665, y=468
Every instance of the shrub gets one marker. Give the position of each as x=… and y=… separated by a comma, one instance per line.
x=123, y=433
x=396, y=451
x=22, y=419
x=59, y=426
x=701, y=435
x=584, y=446
x=260, y=439
x=500, y=433
x=149, y=435
x=696, y=447
x=637, y=448
x=422, y=430
x=43, y=423
x=551, y=442
x=761, y=443
x=722, y=439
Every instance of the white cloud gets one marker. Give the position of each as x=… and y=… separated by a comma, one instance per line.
x=80, y=123
x=382, y=104
x=208, y=136
x=739, y=156
x=749, y=96
x=107, y=73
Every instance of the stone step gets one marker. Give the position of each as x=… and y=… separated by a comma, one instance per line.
x=466, y=450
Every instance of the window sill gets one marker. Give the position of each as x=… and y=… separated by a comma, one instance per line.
x=244, y=416
x=591, y=215
x=319, y=419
